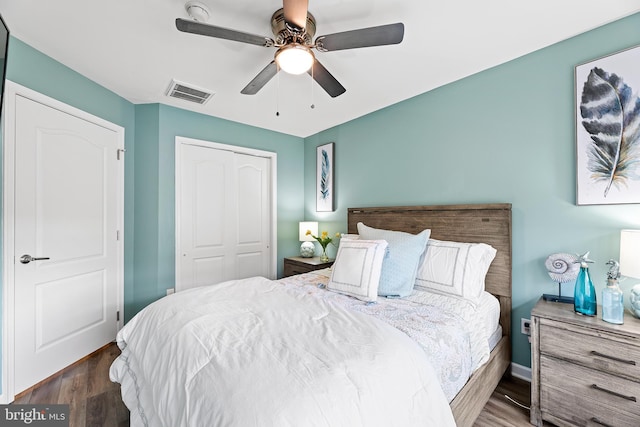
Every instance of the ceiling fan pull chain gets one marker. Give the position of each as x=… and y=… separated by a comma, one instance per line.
x=277, y=91
x=312, y=91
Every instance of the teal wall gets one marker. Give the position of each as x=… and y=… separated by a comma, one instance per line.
x=504, y=135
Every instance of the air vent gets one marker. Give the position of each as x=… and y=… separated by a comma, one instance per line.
x=188, y=92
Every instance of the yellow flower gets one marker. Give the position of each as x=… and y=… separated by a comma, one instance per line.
x=324, y=238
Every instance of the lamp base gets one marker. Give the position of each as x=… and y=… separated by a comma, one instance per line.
x=307, y=249
x=557, y=298
x=635, y=300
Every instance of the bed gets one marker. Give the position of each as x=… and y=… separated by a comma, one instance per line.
x=299, y=353
x=482, y=223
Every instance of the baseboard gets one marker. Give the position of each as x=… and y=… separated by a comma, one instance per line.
x=522, y=372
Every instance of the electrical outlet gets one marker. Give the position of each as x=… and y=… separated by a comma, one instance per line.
x=525, y=326
x=170, y=291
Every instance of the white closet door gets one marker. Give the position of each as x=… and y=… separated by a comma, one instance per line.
x=252, y=191
x=224, y=216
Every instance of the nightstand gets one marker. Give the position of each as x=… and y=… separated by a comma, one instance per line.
x=585, y=371
x=298, y=265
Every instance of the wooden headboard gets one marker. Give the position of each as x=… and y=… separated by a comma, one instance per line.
x=482, y=223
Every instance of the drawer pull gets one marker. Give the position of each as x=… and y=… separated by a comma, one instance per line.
x=628, y=362
x=623, y=396
x=597, y=421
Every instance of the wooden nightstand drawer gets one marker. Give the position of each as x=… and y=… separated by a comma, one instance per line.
x=300, y=265
x=579, y=395
x=293, y=269
x=602, y=351
x=584, y=371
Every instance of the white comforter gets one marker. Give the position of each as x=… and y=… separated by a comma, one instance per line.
x=250, y=353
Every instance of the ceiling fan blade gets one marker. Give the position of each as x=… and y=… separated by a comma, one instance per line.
x=365, y=37
x=261, y=79
x=189, y=26
x=295, y=13
x=326, y=80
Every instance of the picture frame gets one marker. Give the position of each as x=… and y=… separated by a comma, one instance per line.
x=325, y=178
x=607, y=113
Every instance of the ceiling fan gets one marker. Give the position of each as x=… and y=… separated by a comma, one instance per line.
x=294, y=27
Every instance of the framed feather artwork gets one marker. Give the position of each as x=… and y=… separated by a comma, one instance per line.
x=608, y=129
x=324, y=178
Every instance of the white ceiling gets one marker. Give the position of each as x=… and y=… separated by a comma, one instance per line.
x=134, y=49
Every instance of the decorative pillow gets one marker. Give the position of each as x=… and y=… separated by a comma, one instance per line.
x=401, y=263
x=350, y=236
x=356, y=271
x=455, y=268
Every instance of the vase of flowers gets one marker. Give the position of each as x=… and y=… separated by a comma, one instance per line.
x=324, y=241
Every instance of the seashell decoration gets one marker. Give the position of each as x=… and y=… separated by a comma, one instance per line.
x=562, y=267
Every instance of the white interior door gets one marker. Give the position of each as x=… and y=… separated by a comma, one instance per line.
x=223, y=216
x=66, y=210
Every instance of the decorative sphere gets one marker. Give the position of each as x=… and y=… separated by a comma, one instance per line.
x=307, y=249
x=635, y=300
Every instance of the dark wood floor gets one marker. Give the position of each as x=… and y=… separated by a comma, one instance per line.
x=95, y=401
x=501, y=412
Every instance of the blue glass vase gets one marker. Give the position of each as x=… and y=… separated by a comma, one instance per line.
x=584, y=294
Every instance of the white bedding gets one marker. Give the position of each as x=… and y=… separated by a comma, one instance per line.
x=257, y=353
x=453, y=332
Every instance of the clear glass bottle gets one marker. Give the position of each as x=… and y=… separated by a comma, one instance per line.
x=612, y=306
x=612, y=296
x=584, y=293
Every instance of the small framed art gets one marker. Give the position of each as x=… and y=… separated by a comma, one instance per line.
x=608, y=129
x=324, y=178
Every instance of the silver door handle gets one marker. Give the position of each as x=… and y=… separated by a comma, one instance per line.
x=26, y=259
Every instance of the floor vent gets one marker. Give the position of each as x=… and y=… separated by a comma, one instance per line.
x=188, y=92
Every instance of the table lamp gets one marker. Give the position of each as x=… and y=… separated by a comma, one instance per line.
x=630, y=263
x=307, y=248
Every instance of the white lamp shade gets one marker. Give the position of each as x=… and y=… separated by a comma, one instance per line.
x=630, y=253
x=308, y=225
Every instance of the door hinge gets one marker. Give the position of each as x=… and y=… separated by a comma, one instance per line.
x=118, y=151
x=117, y=316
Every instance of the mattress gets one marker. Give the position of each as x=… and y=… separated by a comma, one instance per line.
x=489, y=308
x=453, y=332
x=495, y=337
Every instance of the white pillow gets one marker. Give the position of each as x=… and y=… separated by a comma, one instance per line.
x=455, y=268
x=401, y=264
x=350, y=236
x=356, y=271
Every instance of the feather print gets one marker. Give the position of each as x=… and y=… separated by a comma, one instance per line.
x=611, y=115
x=325, y=175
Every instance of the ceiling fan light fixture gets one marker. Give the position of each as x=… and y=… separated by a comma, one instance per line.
x=294, y=58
